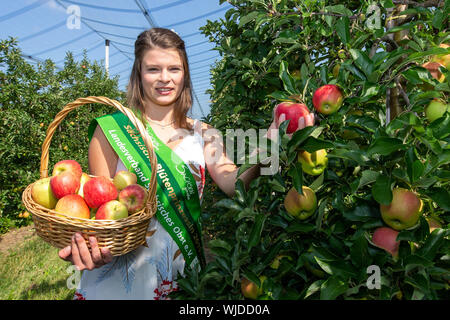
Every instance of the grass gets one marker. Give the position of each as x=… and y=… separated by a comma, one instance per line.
x=33, y=271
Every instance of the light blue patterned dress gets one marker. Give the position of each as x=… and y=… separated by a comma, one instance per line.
x=147, y=272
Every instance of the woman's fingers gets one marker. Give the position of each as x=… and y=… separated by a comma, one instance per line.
x=107, y=256
x=82, y=256
x=65, y=253
x=95, y=252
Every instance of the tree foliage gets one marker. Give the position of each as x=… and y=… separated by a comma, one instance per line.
x=276, y=50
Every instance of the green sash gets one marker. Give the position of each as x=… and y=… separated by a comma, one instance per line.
x=178, y=203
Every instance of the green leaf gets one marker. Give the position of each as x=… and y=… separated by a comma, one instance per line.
x=359, y=252
x=385, y=146
x=362, y=61
x=441, y=196
x=296, y=173
x=332, y=288
x=246, y=19
x=312, y=144
x=431, y=246
x=255, y=233
x=381, y=190
x=229, y=204
x=299, y=136
x=287, y=79
x=314, y=287
x=343, y=29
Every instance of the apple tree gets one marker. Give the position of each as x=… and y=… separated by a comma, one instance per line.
x=379, y=140
x=30, y=97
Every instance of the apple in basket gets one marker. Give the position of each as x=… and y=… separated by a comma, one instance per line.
x=64, y=183
x=98, y=191
x=84, y=178
x=111, y=210
x=134, y=197
x=42, y=193
x=123, y=179
x=67, y=165
x=73, y=205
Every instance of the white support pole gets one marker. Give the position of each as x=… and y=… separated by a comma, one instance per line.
x=107, y=56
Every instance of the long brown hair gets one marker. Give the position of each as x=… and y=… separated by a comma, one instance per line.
x=164, y=39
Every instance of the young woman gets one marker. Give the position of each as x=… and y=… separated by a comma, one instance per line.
x=159, y=92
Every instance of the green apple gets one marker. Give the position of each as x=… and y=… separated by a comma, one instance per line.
x=276, y=261
x=313, y=163
x=404, y=211
x=301, y=206
x=41, y=193
x=436, y=109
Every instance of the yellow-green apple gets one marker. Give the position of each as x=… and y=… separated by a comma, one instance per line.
x=41, y=193
x=64, y=183
x=404, y=211
x=301, y=206
x=327, y=99
x=111, y=210
x=436, y=109
x=84, y=178
x=73, y=205
x=123, y=179
x=293, y=111
x=67, y=165
x=250, y=290
x=386, y=238
x=443, y=59
x=313, y=163
x=134, y=197
x=98, y=191
x=277, y=260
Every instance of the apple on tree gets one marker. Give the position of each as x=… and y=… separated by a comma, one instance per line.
x=111, y=210
x=64, y=183
x=250, y=290
x=301, y=206
x=123, y=179
x=404, y=211
x=41, y=193
x=98, y=191
x=313, y=163
x=327, y=99
x=386, y=238
x=67, y=165
x=133, y=197
x=73, y=205
x=436, y=109
x=443, y=59
x=293, y=112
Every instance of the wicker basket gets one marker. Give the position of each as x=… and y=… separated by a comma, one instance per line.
x=120, y=236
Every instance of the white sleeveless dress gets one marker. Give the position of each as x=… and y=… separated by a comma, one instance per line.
x=147, y=272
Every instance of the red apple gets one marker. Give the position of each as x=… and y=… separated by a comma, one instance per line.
x=134, y=197
x=67, y=165
x=404, y=211
x=73, y=205
x=386, y=238
x=84, y=178
x=64, y=183
x=327, y=99
x=41, y=193
x=98, y=191
x=111, y=210
x=123, y=179
x=433, y=68
x=293, y=112
x=250, y=290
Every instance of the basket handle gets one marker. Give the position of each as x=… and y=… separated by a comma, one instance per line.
x=151, y=199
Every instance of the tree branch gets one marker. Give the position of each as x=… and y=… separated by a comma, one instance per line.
x=426, y=4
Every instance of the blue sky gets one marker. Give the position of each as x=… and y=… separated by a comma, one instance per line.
x=48, y=29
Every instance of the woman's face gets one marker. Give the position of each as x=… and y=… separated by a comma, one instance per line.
x=162, y=76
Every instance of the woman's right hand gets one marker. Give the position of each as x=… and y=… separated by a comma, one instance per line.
x=78, y=253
